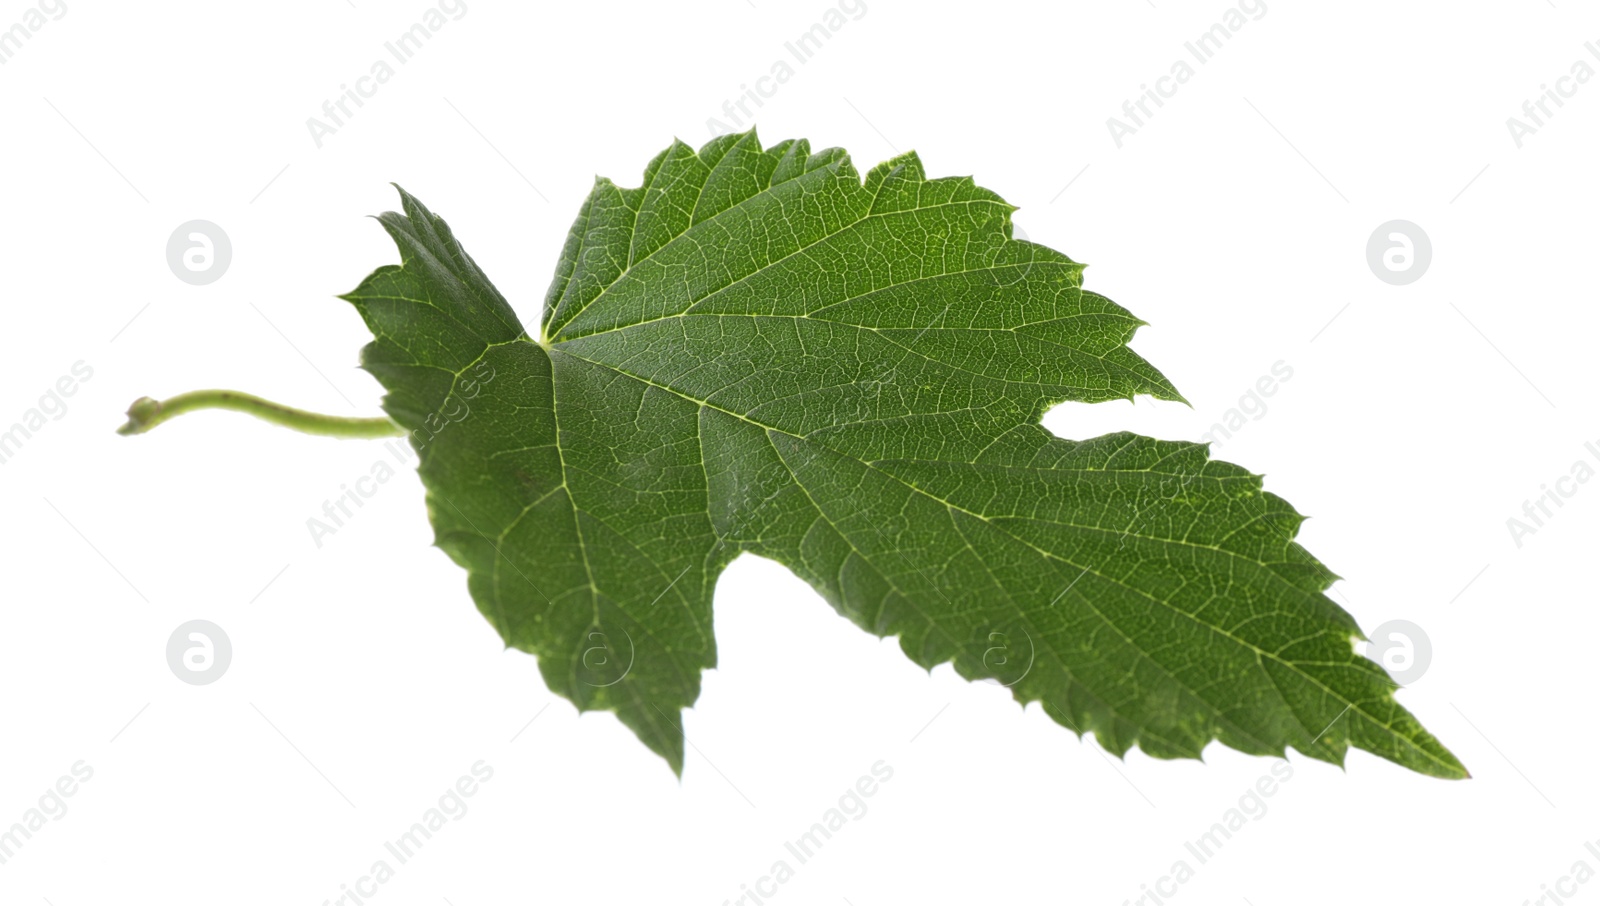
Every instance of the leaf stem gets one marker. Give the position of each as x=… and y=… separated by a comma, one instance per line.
x=146, y=413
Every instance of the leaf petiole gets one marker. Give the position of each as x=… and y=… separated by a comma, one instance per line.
x=146, y=413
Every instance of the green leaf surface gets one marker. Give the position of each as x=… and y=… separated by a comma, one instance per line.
x=760, y=350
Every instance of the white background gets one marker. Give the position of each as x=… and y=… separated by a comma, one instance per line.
x=363, y=681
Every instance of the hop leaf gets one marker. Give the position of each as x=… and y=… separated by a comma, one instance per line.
x=759, y=350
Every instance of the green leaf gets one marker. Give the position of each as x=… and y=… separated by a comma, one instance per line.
x=759, y=350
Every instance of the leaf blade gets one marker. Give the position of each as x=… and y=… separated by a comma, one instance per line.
x=759, y=350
